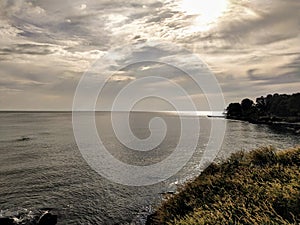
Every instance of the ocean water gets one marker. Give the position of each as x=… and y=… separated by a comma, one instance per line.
x=42, y=168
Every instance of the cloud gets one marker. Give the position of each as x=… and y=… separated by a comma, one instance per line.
x=28, y=49
x=45, y=46
x=120, y=78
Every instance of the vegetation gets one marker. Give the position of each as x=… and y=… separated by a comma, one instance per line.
x=273, y=108
x=260, y=187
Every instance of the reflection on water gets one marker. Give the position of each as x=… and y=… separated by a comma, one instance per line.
x=41, y=166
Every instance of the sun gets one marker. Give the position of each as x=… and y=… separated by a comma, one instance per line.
x=206, y=12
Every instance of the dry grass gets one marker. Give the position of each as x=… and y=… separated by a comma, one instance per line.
x=260, y=187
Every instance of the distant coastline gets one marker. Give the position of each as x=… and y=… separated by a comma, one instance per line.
x=280, y=110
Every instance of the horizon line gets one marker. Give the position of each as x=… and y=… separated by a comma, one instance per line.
x=183, y=113
x=49, y=110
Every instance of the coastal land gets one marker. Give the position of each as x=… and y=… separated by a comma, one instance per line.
x=278, y=110
x=259, y=187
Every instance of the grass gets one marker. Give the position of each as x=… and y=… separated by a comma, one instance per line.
x=260, y=187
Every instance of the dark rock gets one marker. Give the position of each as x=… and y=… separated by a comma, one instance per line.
x=151, y=219
x=167, y=193
x=24, y=139
x=47, y=219
x=6, y=221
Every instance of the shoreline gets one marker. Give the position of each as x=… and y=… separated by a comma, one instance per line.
x=293, y=127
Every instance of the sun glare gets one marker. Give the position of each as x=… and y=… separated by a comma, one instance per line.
x=207, y=12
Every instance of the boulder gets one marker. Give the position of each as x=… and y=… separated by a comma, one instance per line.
x=6, y=221
x=47, y=219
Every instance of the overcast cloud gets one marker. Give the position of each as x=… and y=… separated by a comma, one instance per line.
x=253, y=47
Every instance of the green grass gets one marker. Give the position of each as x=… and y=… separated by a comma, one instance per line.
x=260, y=187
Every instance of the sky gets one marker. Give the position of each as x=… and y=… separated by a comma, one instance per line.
x=251, y=46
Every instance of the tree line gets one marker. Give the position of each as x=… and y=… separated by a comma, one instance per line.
x=276, y=107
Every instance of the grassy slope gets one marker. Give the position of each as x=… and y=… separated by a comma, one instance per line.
x=260, y=187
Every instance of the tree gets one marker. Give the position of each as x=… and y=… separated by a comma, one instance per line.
x=277, y=107
x=261, y=103
x=234, y=109
x=246, y=104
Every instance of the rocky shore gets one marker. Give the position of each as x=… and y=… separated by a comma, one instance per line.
x=278, y=124
x=28, y=217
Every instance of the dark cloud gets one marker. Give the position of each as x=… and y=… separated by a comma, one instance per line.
x=27, y=49
x=252, y=75
x=290, y=77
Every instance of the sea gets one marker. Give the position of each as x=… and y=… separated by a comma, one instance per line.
x=42, y=168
